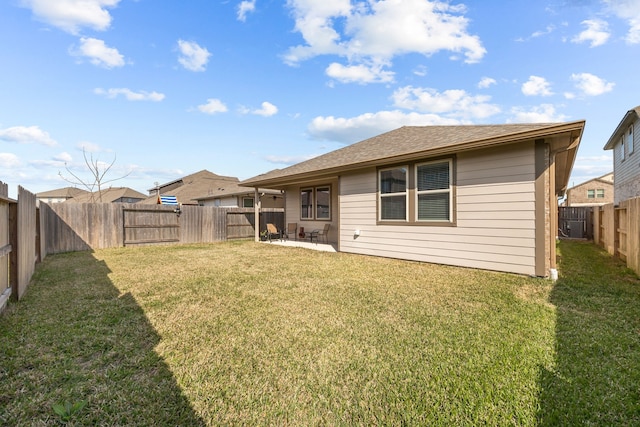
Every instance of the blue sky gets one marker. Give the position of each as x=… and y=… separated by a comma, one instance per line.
x=243, y=87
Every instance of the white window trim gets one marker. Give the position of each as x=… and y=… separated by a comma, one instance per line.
x=622, y=147
x=248, y=198
x=449, y=190
x=630, y=144
x=405, y=192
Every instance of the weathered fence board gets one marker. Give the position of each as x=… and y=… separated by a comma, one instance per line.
x=149, y=226
x=618, y=231
x=82, y=226
x=5, y=245
x=24, y=253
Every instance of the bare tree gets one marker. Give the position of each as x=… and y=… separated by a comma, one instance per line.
x=98, y=172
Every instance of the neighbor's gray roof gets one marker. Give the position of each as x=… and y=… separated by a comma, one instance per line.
x=108, y=195
x=65, y=192
x=628, y=118
x=194, y=186
x=410, y=142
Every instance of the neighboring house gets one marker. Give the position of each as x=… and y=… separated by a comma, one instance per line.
x=110, y=195
x=595, y=192
x=237, y=196
x=59, y=195
x=625, y=143
x=191, y=187
x=473, y=196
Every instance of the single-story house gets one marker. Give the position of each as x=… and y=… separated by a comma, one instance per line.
x=189, y=188
x=109, y=195
x=480, y=196
x=237, y=196
x=59, y=195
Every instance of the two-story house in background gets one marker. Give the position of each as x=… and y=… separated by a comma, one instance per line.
x=595, y=192
x=625, y=143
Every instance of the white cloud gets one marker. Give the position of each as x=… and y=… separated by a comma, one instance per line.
x=63, y=157
x=421, y=71
x=485, y=82
x=359, y=73
x=213, y=106
x=597, y=33
x=454, y=103
x=349, y=130
x=543, y=113
x=27, y=135
x=410, y=26
x=630, y=11
x=88, y=147
x=98, y=53
x=536, y=86
x=548, y=30
x=591, y=85
x=9, y=160
x=129, y=94
x=244, y=8
x=267, y=110
x=192, y=56
x=71, y=15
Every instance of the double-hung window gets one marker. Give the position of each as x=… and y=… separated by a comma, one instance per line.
x=622, y=148
x=417, y=193
x=600, y=193
x=315, y=203
x=630, y=139
x=393, y=193
x=433, y=191
x=591, y=194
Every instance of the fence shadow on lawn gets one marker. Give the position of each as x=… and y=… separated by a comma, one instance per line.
x=597, y=372
x=75, y=337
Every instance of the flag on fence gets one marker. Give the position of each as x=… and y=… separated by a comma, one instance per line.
x=168, y=200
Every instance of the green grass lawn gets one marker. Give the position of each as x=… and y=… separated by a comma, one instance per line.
x=255, y=334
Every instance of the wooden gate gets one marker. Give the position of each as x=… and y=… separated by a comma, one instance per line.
x=150, y=226
x=575, y=222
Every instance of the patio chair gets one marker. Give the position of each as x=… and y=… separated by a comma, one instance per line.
x=292, y=229
x=322, y=233
x=272, y=231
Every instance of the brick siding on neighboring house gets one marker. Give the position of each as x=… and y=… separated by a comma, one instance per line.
x=595, y=192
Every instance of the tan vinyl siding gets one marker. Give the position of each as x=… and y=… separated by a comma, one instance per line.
x=495, y=205
x=292, y=208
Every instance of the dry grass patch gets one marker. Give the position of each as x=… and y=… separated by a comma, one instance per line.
x=245, y=333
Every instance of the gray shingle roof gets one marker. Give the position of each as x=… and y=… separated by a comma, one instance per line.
x=628, y=118
x=407, y=141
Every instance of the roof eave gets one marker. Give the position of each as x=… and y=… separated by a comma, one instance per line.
x=576, y=126
x=626, y=121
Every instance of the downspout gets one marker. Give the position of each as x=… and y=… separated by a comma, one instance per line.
x=553, y=217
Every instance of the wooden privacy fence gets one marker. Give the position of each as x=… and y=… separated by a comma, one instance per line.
x=5, y=245
x=82, y=226
x=20, y=247
x=617, y=229
x=576, y=222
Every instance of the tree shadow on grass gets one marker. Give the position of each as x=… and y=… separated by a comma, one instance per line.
x=597, y=371
x=75, y=337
